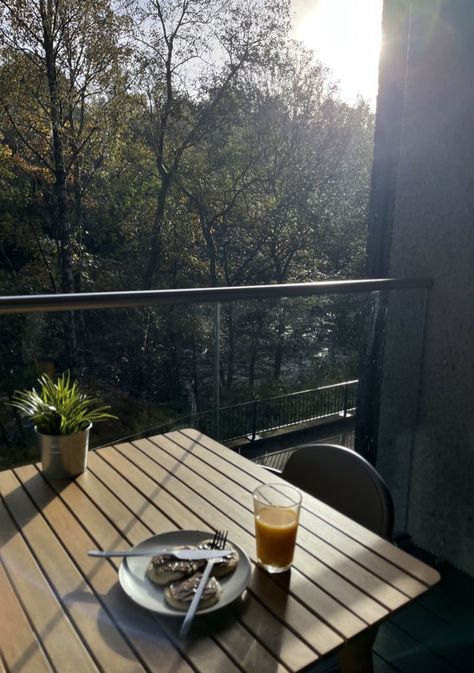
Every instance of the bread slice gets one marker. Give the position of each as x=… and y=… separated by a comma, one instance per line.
x=228, y=565
x=180, y=594
x=164, y=568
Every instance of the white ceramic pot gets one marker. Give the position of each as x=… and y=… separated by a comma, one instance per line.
x=64, y=456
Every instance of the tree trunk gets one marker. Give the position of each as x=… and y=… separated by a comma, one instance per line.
x=211, y=248
x=154, y=257
x=62, y=216
x=78, y=222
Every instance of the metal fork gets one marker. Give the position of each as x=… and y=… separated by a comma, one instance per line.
x=218, y=542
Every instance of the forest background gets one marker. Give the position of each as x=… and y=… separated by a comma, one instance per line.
x=175, y=143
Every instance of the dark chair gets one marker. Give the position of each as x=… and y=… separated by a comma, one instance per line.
x=344, y=480
x=347, y=482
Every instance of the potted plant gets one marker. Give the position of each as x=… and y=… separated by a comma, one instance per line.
x=63, y=416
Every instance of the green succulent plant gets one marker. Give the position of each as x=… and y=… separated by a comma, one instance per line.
x=59, y=408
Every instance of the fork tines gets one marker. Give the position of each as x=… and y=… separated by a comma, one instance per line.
x=219, y=540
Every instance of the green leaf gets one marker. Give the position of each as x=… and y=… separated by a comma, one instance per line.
x=60, y=408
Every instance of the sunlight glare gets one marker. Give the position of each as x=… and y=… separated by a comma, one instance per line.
x=346, y=36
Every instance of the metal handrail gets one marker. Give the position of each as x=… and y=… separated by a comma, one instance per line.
x=102, y=300
x=203, y=419
x=330, y=386
x=313, y=404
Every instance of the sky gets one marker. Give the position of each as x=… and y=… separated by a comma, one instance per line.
x=346, y=36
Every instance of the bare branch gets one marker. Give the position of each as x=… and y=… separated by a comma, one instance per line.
x=24, y=140
x=79, y=149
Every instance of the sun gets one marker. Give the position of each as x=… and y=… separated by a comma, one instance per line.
x=346, y=36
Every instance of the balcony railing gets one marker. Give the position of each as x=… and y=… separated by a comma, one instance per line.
x=250, y=420
x=228, y=417
x=96, y=300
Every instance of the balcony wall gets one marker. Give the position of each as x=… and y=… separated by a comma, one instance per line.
x=433, y=235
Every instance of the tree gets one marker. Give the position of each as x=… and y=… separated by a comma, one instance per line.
x=223, y=38
x=57, y=56
x=207, y=149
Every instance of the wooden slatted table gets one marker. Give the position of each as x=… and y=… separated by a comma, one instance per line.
x=64, y=611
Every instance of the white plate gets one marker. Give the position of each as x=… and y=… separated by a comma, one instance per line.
x=135, y=583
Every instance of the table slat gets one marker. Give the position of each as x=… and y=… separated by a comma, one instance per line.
x=60, y=641
x=20, y=648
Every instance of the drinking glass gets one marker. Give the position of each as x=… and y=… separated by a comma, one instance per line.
x=277, y=511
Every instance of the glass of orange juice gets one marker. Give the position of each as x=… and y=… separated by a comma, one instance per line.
x=277, y=512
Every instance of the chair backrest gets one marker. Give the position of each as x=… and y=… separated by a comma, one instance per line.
x=344, y=480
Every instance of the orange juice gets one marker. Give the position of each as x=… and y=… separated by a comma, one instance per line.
x=275, y=530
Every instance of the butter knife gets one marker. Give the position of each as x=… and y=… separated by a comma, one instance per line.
x=181, y=554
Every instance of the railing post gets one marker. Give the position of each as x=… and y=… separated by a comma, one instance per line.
x=254, y=419
x=217, y=335
x=346, y=398
x=370, y=383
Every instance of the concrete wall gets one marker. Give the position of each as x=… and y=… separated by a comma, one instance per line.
x=433, y=235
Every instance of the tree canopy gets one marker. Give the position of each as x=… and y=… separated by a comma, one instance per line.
x=171, y=143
